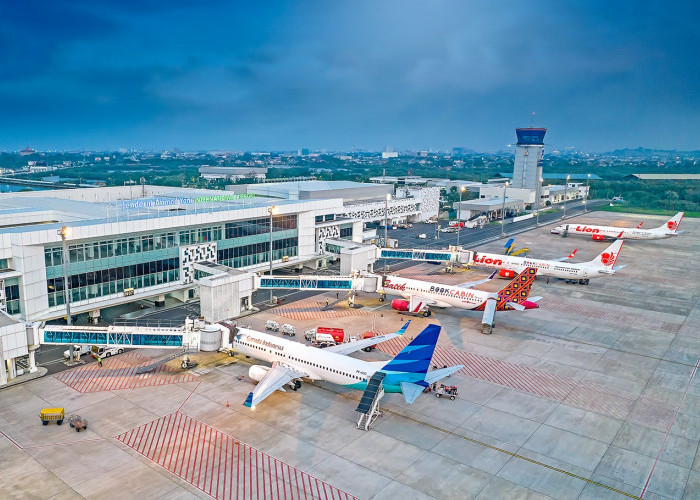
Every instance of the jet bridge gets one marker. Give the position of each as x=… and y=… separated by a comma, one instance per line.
x=186, y=336
x=353, y=282
x=453, y=255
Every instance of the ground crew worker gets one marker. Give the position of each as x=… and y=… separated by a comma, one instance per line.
x=327, y=302
x=337, y=294
x=99, y=361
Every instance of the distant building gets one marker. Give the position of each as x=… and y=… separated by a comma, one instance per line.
x=27, y=151
x=664, y=177
x=390, y=154
x=233, y=173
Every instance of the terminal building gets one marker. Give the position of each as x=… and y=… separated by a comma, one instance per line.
x=119, y=245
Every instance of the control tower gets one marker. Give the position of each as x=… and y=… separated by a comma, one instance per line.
x=527, y=170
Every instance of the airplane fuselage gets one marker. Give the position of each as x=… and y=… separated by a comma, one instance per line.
x=441, y=295
x=319, y=364
x=551, y=268
x=611, y=232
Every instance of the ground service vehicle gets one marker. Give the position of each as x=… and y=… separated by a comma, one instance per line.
x=272, y=325
x=77, y=422
x=52, y=415
x=288, y=329
x=449, y=391
x=324, y=337
x=104, y=351
x=78, y=350
x=422, y=236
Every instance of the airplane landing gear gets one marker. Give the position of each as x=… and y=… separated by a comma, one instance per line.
x=295, y=385
x=425, y=314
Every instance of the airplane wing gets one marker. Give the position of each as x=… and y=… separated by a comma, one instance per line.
x=569, y=257
x=349, y=347
x=276, y=378
x=436, y=375
x=471, y=284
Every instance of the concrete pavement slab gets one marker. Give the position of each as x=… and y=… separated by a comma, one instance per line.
x=627, y=466
x=327, y=431
x=501, y=426
x=668, y=480
x=566, y=447
x=396, y=456
x=344, y=474
x=131, y=479
x=479, y=452
x=584, y=423
x=676, y=450
x=410, y=432
x=692, y=488
x=296, y=452
x=395, y=490
x=500, y=488
x=522, y=404
x=444, y=478
x=30, y=480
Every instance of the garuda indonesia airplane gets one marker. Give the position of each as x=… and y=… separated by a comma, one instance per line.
x=292, y=361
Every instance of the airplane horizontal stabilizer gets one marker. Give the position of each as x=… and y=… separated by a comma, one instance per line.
x=436, y=375
x=411, y=391
x=515, y=306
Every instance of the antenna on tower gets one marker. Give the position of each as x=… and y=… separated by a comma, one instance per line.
x=532, y=120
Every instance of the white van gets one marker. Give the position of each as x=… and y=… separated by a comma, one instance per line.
x=104, y=351
x=272, y=325
x=78, y=350
x=288, y=329
x=422, y=236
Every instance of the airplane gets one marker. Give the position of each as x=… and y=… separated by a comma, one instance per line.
x=508, y=265
x=420, y=295
x=609, y=233
x=291, y=361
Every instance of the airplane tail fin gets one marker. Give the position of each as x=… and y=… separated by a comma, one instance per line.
x=509, y=246
x=415, y=357
x=671, y=225
x=518, y=290
x=608, y=257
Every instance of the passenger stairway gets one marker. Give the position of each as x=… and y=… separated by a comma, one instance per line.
x=368, y=407
x=148, y=368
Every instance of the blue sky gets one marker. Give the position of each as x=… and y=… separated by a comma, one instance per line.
x=329, y=75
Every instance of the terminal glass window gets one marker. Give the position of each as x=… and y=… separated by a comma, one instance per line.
x=258, y=253
x=95, y=284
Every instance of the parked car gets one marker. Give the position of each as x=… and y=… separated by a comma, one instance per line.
x=422, y=236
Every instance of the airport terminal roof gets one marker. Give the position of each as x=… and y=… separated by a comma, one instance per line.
x=664, y=177
x=558, y=176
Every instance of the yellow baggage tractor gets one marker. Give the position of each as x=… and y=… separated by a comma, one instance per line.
x=52, y=415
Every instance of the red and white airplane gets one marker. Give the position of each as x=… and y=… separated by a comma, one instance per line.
x=508, y=265
x=418, y=296
x=608, y=233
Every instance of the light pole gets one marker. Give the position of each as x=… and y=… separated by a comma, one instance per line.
x=503, y=211
x=539, y=197
x=386, y=223
x=585, y=200
x=272, y=210
x=64, y=232
x=566, y=190
x=459, y=213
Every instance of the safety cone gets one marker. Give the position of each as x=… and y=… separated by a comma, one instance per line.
x=226, y=404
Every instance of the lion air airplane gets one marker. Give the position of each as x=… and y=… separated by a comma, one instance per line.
x=608, y=233
x=508, y=266
x=420, y=295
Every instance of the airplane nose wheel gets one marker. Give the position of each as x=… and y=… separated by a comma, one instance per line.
x=296, y=385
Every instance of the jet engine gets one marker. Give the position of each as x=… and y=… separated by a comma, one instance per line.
x=258, y=372
x=598, y=237
x=506, y=273
x=399, y=305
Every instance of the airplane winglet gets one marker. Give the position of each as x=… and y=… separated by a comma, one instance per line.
x=249, y=400
x=403, y=329
x=493, y=275
x=571, y=255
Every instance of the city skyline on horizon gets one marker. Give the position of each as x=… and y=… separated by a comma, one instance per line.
x=277, y=77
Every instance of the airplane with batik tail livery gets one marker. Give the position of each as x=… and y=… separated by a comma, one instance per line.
x=610, y=233
x=292, y=361
x=421, y=295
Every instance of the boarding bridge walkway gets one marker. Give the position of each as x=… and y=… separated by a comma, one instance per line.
x=369, y=403
x=122, y=336
x=453, y=255
x=354, y=282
